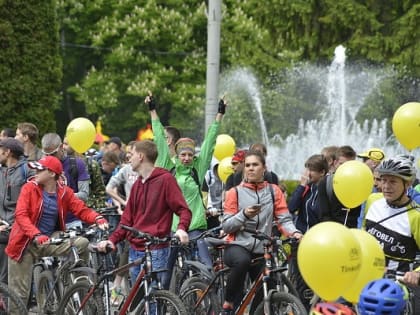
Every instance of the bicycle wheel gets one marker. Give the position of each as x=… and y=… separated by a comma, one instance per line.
x=282, y=303
x=10, y=301
x=163, y=302
x=288, y=285
x=73, y=297
x=36, y=274
x=194, y=290
x=47, y=294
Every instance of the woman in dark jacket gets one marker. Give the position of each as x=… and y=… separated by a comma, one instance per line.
x=302, y=204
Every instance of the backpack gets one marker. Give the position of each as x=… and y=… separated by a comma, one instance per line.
x=329, y=186
x=97, y=193
x=73, y=170
x=194, y=175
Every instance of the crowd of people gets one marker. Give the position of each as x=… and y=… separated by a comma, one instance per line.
x=162, y=186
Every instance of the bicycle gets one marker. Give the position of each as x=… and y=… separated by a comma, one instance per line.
x=118, y=257
x=87, y=298
x=10, y=300
x=203, y=298
x=187, y=263
x=64, y=271
x=398, y=276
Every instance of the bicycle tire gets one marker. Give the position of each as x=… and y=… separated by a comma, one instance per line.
x=288, y=285
x=45, y=285
x=194, y=289
x=283, y=303
x=71, y=300
x=36, y=274
x=181, y=275
x=166, y=302
x=9, y=300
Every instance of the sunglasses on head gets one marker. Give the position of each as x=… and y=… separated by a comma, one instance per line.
x=52, y=152
x=376, y=154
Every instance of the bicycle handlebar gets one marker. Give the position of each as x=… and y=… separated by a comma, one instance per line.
x=94, y=248
x=4, y=222
x=273, y=239
x=108, y=211
x=148, y=237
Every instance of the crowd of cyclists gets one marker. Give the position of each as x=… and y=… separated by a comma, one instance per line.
x=162, y=187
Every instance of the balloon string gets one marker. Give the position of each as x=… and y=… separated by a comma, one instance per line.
x=347, y=215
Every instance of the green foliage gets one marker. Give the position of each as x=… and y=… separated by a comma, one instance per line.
x=29, y=63
x=113, y=52
x=290, y=186
x=150, y=45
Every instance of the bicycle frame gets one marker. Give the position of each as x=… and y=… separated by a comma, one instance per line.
x=144, y=278
x=64, y=272
x=262, y=279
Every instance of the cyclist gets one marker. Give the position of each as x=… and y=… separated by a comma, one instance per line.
x=394, y=219
x=189, y=170
x=155, y=197
x=253, y=205
x=14, y=174
x=41, y=208
x=380, y=297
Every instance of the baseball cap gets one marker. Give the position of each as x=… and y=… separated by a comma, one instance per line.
x=239, y=156
x=13, y=145
x=115, y=140
x=48, y=162
x=373, y=154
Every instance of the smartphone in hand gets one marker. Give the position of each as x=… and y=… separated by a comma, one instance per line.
x=256, y=206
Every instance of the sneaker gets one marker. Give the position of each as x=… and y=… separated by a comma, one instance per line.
x=116, y=297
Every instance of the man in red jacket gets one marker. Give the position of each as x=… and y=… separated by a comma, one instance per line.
x=154, y=198
x=41, y=209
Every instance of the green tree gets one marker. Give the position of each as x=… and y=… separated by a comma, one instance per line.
x=146, y=45
x=116, y=51
x=30, y=63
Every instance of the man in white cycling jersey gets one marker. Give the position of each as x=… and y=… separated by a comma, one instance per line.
x=394, y=220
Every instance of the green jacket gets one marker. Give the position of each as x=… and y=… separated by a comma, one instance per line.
x=190, y=190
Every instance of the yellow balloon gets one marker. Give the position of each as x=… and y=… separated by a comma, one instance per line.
x=225, y=147
x=372, y=264
x=406, y=125
x=329, y=259
x=225, y=169
x=352, y=183
x=80, y=134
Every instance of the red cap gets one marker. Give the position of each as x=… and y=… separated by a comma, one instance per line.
x=48, y=162
x=239, y=156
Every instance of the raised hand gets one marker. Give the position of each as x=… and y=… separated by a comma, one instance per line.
x=150, y=101
x=222, y=106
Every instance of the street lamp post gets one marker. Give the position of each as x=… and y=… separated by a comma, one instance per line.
x=214, y=18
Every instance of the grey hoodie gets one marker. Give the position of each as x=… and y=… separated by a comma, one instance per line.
x=11, y=181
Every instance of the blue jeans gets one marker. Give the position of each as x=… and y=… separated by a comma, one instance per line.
x=203, y=255
x=159, y=259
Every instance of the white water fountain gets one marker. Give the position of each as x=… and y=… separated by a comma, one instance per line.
x=345, y=91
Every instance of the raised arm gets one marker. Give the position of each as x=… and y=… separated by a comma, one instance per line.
x=159, y=137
